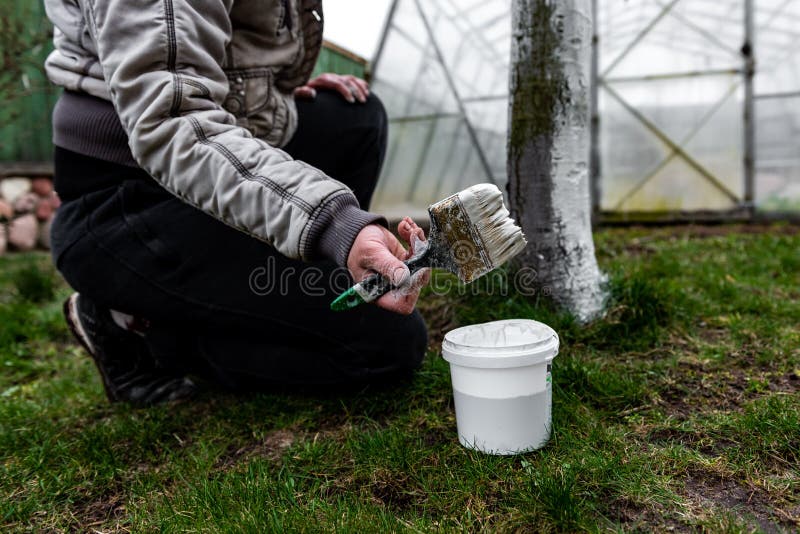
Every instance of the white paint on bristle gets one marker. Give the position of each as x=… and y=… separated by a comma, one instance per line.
x=501, y=235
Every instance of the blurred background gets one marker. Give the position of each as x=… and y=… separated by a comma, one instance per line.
x=690, y=124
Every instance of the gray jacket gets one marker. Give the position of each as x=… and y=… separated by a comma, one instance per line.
x=204, y=93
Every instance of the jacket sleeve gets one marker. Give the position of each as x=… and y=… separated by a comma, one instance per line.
x=162, y=62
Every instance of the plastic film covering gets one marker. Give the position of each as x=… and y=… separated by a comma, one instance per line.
x=670, y=104
x=777, y=105
x=442, y=72
x=672, y=98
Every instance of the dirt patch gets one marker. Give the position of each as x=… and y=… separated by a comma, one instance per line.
x=271, y=447
x=638, y=518
x=437, y=436
x=392, y=489
x=691, y=389
x=716, y=390
x=276, y=443
x=697, y=384
x=395, y=490
x=700, y=441
x=640, y=246
x=749, y=504
x=712, y=335
x=100, y=515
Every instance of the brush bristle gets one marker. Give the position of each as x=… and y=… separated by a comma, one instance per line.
x=501, y=236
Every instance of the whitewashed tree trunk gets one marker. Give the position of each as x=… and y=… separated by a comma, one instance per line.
x=548, y=149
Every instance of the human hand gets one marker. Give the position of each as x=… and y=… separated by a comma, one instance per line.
x=376, y=249
x=350, y=87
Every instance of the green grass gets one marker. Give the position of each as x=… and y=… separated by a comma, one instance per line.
x=679, y=410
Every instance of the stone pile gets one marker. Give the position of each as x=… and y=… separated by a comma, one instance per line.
x=27, y=207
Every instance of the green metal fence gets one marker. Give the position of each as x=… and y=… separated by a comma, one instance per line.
x=27, y=98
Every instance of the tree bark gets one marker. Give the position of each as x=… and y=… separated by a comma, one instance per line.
x=548, y=149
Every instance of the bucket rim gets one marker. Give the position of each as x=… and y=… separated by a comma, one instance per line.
x=515, y=354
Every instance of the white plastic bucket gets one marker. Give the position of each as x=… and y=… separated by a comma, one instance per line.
x=502, y=384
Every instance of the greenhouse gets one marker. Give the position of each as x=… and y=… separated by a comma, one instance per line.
x=697, y=105
x=696, y=116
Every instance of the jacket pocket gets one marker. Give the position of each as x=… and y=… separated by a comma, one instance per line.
x=250, y=91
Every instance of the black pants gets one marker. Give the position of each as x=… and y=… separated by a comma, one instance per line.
x=220, y=303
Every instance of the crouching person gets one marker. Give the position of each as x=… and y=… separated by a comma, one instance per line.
x=198, y=165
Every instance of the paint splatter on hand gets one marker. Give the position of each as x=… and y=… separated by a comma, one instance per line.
x=376, y=249
x=410, y=232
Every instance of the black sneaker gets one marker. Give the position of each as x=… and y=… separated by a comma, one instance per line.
x=129, y=371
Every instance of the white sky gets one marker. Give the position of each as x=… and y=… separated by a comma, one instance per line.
x=355, y=24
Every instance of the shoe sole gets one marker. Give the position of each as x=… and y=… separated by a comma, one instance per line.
x=75, y=326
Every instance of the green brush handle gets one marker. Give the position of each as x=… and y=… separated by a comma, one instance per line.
x=373, y=287
x=367, y=290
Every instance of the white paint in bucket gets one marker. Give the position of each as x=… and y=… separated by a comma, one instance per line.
x=502, y=384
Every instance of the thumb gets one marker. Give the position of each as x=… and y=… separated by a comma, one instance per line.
x=305, y=92
x=386, y=264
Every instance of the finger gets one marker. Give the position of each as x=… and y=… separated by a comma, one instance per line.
x=399, y=302
x=358, y=90
x=407, y=228
x=417, y=281
x=305, y=92
x=387, y=263
x=337, y=84
x=363, y=84
x=404, y=298
x=394, y=245
x=421, y=278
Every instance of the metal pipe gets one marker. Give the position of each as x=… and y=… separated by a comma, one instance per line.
x=764, y=163
x=594, y=139
x=674, y=75
x=428, y=117
x=748, y=58
x=486, y=98
x=787, y=94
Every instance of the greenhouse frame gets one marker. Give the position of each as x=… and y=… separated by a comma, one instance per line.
x=696, y=105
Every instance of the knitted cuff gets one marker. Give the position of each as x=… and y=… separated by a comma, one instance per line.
x=337, y=226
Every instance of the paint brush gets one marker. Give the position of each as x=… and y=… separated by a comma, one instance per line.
x=471, y=234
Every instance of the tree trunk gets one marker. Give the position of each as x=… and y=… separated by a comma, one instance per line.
x=548, y=149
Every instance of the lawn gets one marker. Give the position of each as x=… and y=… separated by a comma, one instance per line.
x=679, y=410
